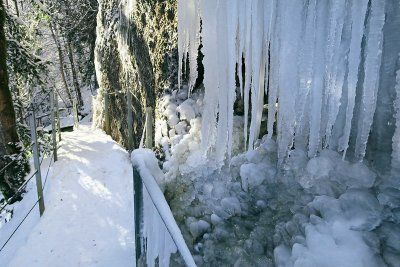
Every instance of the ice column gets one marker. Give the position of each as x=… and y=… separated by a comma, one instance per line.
x=372, y=65
x=335, y=58
x=358, y=12
x=396, y=137
x=290, y=23
x=210, y=44
x=317, y=89
x=306, y=67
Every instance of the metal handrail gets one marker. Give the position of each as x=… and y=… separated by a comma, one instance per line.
x=34, y=205
x=143, y=177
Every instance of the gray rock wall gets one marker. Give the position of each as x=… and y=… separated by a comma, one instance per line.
x=136, y=51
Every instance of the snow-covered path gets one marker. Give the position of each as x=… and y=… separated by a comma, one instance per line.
x=89, y=207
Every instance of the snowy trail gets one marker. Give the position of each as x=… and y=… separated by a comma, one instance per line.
x=89, y=207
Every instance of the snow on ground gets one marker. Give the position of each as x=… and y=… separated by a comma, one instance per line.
x=89, y=208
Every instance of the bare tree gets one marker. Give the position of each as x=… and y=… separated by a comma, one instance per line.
x=16, y=7
x=61, y=61
x=74, y=74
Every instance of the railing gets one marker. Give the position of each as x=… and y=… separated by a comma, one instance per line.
x=157, y=234
x=37, y=165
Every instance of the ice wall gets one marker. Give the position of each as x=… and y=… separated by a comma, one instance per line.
x=320, y=66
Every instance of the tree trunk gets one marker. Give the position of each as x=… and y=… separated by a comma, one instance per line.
x=61, y=61
x=92, y=51
x=7, y=113
x=9, y=140
x=74, y=75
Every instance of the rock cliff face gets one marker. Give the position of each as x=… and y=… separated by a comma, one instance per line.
x=136, y=52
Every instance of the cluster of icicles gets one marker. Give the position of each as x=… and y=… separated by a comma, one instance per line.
x=304, y=57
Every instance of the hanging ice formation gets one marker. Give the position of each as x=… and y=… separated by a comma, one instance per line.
x=126, y=8
x=396, y=136
x=316, y=64
x=189, y=36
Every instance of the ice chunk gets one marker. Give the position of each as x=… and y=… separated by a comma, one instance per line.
x=390, y=232
x=253, y=175
x=215, y=219
x=329, y=207
x=197, y=228
x=231, y=205
x=180, y=128
x=362, y=208
x=355, y=175
x=319, y=167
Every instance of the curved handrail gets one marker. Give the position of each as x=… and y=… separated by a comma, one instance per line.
x=159, y=201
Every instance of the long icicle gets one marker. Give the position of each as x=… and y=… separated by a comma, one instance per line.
x=396, y=136
x=371, y=76
x=358, y=12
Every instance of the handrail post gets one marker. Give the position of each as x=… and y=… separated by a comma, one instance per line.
x=57, y=117
x=138, y=206
x=75, y=114
x=130, y=120
x=149, y=128
x=53, y=125
x=36, y=161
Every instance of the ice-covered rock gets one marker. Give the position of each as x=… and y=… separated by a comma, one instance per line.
x=355, y=175
x=231, y=206
x=173, y=120
x=297, y=160
x=362, y=208
x=181, y=127
x=252, y=175
x=198, y=228
x=390, y=197
x=215, y=219
x=186, y=110
x=319, y=167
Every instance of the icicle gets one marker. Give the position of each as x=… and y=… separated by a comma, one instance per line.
x=306, y=60
x=289, y=30
x=159, y=243
x=396, y=136
x=247, y=55
x=358, y=12
x=223, y=72
x=273, y=83
x=317, y=91
x=257, y=69
x=240, y=40
x=182, y=28
x=232, y=21
x=210, y=44
x=269, y=20
x=310, y=78
x=384, y=123
x=194, y=41
x=188, y=38
x=371, y=79
x=335, y=66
